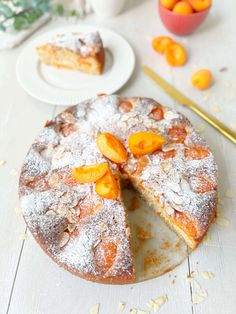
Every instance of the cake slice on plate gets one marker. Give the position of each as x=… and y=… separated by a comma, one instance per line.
x=74, y=51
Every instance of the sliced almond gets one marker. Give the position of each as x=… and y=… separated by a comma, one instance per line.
x=121, y=306
x=64, y=239
x=199, y=293
x=94, y=309
x=157, y=303
x=2, y=162
x=207, y=275
x=13, y=172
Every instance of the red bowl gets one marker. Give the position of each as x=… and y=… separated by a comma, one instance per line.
x=181, y=24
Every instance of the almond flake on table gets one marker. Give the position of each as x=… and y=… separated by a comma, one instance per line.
x=229, y=194
x=13, y=172
x=215, y=108
x=207, y=275
x=200, y=128
x=133, y=311
x=199, y=294
x=220, y=212
x=17, y=210
x=207, y=238
x=233, y=124
x=2, y=162
x=94, y=309
x=222, y=221
x=23, y=237
x=142, y=312
x=121, y=306
x=157, y=303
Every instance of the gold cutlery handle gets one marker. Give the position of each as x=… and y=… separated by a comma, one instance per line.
x=221, y=127
x=182, y=99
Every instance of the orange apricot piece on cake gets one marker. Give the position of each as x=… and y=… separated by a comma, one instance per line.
x=202, y=79
x=111, y=147
x=168, y=4
x=177, y=134
x=160, y=43
x=200, y=5
x=196, y=153
x=175, y=54
x=143, y=143
x=105, y=254
x=107, y=186
x=91, y=173
x=157, y=113
x=183, y=7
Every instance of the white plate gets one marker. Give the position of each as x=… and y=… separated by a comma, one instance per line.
x=66, y=87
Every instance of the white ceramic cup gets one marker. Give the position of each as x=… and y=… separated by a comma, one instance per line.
x=107, y=8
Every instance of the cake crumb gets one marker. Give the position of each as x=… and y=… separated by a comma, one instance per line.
x=142, y=234
x=207, y=275
x=222, y=221
x=121, y=306
x=2, y=162
x=94, y=309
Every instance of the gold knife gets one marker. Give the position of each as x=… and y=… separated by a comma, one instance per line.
x=183, y=100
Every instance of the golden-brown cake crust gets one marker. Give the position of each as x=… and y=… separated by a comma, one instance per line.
x=73, y=224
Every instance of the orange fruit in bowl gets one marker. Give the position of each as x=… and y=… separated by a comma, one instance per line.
x=160, y=43
x=168, y=4
x=200, y=5
x=183, y=7
x=175, y=54
x=202, y=79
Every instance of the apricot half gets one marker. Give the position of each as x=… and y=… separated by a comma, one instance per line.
x=175, y=54
x=91, y=173
x=107, y=186
x=160, y=43
x=111, y=147
x=143, y=143
x=202, y=79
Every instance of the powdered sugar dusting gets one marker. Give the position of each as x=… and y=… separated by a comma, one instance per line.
x=84, y=43
x=51, y=202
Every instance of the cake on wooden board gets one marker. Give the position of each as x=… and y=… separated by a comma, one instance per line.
x=74, y=51
x=89, y=234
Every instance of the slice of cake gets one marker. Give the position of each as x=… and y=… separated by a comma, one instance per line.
x=74, y=51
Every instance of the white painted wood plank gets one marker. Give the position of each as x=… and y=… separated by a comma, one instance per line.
x=20, y=120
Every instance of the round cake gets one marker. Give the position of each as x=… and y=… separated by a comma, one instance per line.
x=80, y=223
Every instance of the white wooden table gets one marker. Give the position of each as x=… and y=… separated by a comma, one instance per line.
x=30, y=283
